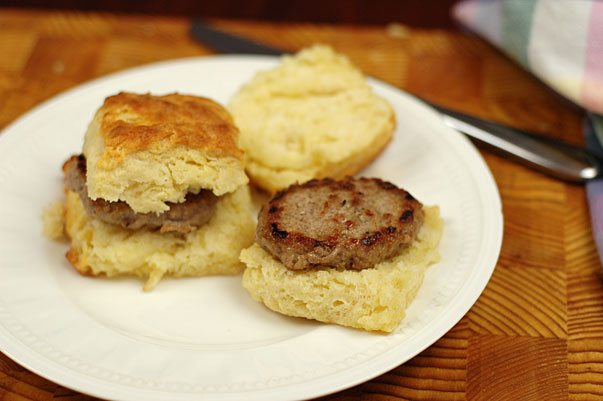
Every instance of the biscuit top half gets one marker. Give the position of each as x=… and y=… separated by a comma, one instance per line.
x=313, y=115
x=148, y=150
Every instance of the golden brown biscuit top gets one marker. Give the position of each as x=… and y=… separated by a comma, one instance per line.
x=132, y=123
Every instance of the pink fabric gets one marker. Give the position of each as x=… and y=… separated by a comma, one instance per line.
x=592, y=86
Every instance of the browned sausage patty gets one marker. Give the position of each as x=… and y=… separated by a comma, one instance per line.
x=181, y=217
x=351, y=224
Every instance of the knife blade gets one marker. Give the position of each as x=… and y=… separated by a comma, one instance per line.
x=555, y=158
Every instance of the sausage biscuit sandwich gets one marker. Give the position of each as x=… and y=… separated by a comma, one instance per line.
x=160, y=189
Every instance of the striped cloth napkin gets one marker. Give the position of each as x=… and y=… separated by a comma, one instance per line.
x=560, y=42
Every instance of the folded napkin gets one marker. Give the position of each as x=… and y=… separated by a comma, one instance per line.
x=560, y=42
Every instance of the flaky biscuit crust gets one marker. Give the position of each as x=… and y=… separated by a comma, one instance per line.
x=132, y=123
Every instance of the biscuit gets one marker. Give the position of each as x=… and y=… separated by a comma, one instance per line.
x=313, y=116
x=102, y=249
x=53, y=224
x=372, y=299
x=148, y=150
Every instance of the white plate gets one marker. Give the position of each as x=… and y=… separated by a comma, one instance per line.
x=205, y=337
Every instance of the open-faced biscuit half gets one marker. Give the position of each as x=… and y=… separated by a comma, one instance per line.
x=373, y=299
x=312, y=116
x=148, y=150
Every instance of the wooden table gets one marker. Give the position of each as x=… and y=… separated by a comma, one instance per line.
x=536, y=332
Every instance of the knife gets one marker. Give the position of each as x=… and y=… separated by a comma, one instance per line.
x=555, y=158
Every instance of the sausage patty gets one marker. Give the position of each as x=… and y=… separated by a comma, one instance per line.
x=351, y=223
x=195, y=211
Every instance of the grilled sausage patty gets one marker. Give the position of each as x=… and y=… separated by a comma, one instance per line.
x=351, y=224
x=195, y=211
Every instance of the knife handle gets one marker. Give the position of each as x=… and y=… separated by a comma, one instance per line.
x=558, y=159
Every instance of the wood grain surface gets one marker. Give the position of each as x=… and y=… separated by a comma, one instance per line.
x=536, y=332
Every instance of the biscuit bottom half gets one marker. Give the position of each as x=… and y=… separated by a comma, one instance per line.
x=372, y=299
x=101, y=249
